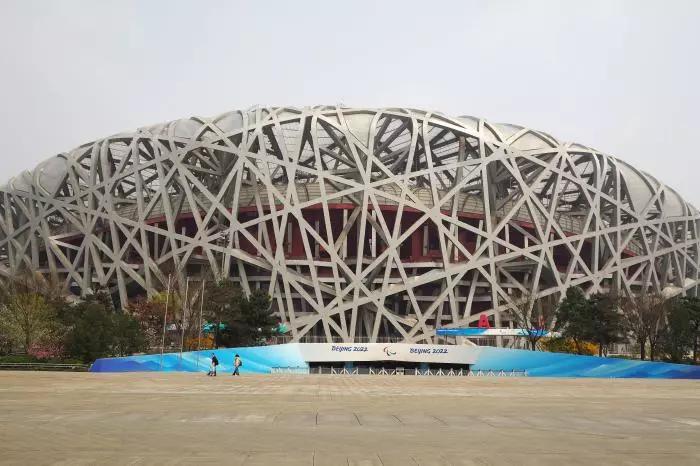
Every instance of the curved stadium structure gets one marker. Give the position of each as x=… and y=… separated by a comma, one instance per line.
x=362, y=224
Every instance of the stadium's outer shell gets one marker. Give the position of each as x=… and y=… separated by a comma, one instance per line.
x=363, y=224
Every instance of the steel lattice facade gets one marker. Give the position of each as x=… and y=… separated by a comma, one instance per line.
x=362, y=224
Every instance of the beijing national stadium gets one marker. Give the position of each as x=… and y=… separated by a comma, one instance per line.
x=363, y=225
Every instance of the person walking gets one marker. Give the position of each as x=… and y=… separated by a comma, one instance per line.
x=237, y=362
x=212, y=367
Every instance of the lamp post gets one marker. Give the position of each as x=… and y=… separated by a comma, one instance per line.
x=185, y=305
x=165, y=322
x=199, y=335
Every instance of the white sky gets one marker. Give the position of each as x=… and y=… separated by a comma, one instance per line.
x=620, y=76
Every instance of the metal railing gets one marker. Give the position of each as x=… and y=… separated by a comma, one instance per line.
x=440, y=372
x=289, y=370
x=498, y=373
x=43, y=366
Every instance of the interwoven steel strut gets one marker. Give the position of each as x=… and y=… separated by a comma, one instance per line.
x=360, y=223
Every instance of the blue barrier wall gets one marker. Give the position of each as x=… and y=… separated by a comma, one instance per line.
x=543, y=364
x=256, y=360
x=260, y=359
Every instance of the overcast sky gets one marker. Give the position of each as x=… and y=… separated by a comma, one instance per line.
x=620, y=76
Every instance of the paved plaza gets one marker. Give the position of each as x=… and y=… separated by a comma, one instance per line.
x=151, y=418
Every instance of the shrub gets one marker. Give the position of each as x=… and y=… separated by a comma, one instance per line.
x=567, y=345
x=47, y=350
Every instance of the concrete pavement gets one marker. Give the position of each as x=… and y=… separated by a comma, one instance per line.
x=152, y=418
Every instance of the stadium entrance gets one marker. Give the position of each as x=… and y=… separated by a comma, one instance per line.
x=386, y=367
x=387, y=359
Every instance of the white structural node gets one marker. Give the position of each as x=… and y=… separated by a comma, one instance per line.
x=362, y=224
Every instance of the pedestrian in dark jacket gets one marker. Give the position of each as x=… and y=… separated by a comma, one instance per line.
x=212, y=367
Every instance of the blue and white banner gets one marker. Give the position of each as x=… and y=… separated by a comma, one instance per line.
x=256, y=360
x=261, y=360
x=337, y=352
x=494, y=332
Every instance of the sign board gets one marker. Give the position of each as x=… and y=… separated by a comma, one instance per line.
x=492, y=332
x=338, y=352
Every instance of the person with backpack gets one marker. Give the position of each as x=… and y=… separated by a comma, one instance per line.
x=214, y=363
x=237, y=362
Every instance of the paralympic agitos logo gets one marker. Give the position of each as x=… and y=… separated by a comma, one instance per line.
x=388, y=351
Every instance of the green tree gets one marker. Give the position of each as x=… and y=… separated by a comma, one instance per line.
x=692, y=304
x=26, y=317
x=246, y=320
x=127, y=335
x=28, y=312
x=575, y=318
x=222, y=305
x=257, y=322
x=606, y=325
x=96, y=330
x=678, y=333
x=92, y=331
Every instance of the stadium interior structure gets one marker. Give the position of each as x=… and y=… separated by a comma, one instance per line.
x=362, y=224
